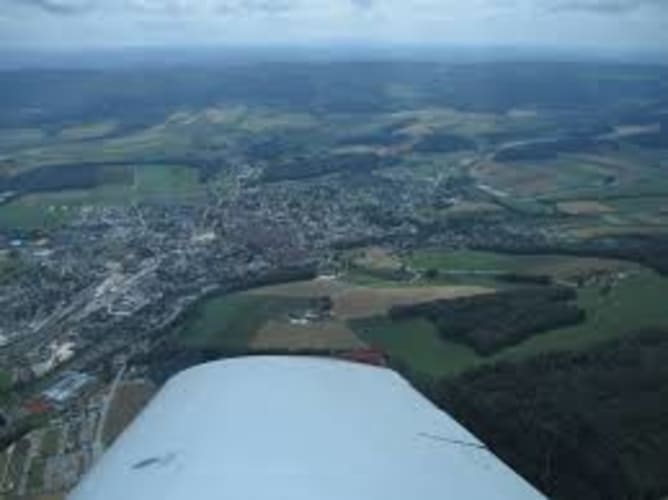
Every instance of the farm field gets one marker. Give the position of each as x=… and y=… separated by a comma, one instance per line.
x=542, y=178
x=50, y=441
x=231, y=321
x=558, y=266
x=87, y=131
x=171, y=182
x=361, y=302
x=318, y=287
x=628, y=303
x=416, y=344
x=321, y=335
x=376, y=258
x=261, y=318
x=353, y=300
x=33, y=212
x=129, y=399
x=126, y=192
x=599, y=231
x=607, y=192
x=584, y=207
x=36, y=475
x=6, y=263
x=20, y=137
x=47, y=210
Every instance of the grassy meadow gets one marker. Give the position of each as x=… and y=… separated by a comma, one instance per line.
x=631, y=304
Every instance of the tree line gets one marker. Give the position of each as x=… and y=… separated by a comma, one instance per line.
x=491, y=322
x=578, y=425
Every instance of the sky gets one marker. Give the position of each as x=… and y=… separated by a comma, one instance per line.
x=81, y=24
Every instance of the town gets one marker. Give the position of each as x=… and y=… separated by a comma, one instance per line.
x=457, y=223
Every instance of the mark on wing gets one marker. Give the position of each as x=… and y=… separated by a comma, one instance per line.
x=154, y=461
x=452, y=441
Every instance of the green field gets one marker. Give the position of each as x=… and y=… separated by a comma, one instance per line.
x=230, y=321
x=463, y=260
x=87, y=131
x=632, y=304
x=33, y=212
x=8, y=266
x=5, y=381
x=417, y=344
x=645, y=204
x=18, y=462
x=3, y=463
x=149, y=182
x=169, y=181
x=36, y=475
x=558, y=266
x=179, y=134
x=366, y=277
x=19, y=138
x=50, y=442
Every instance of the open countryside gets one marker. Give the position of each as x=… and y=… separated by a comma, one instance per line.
x=495, y=231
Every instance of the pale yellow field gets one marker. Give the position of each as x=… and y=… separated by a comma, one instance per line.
x=626, y=130
x=599, y=231
x=87, y=131
x=318, y=335
x=353, y=301
x=518, y=181
x=361, y=302
x=377, y=258
x=584, y=207
x=569, y=268
x=129, y=400
x=474, y=207
x=349, y=302
x=319, y=287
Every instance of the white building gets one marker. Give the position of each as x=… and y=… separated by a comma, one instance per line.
x=68, y=386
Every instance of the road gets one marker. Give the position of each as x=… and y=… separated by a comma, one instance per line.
x=98, y=444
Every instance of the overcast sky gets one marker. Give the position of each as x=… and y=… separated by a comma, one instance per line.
x=627, y=24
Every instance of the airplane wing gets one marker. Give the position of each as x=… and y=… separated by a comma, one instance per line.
x=295, y=428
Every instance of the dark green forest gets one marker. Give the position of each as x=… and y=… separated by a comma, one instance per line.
x=489, y=323
x=589, y=425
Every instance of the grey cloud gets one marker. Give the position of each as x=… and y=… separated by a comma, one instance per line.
x=267, y=6
x=363, y=4
x=56, y=6
x=603, y=6
x=249, y=7
x=167, y=7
